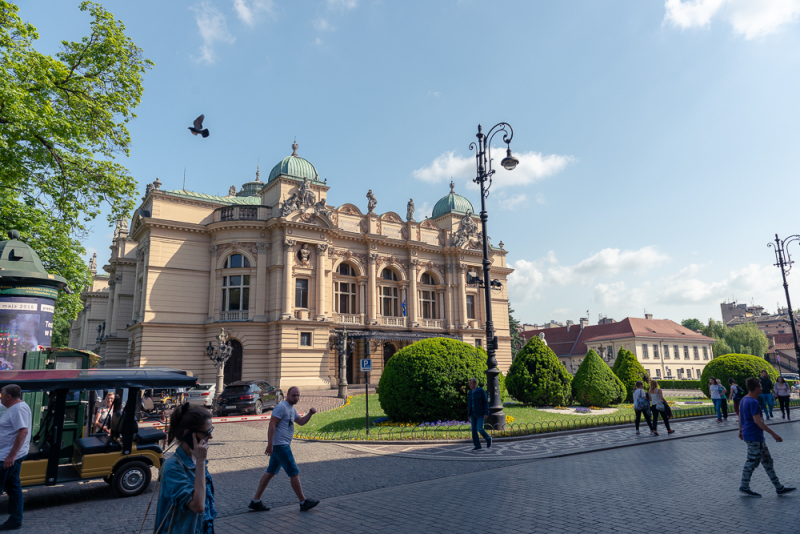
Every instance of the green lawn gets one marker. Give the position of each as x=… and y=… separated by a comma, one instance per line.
x=348, y=422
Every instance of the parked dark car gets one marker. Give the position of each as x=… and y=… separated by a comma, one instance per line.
x=247, y=396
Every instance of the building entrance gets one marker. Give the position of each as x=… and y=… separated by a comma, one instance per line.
x=233, y=367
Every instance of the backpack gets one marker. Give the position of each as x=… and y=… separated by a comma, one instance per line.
x=740, y=393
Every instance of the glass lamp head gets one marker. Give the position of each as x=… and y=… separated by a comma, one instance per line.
x=509, y=162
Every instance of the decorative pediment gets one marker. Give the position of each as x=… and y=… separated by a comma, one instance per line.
x=427, y=223
x=349, y=209
x=391, y=216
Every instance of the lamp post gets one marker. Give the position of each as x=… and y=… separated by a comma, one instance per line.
x=219, y=356
x=341, y=347
x=785, y=262
x=483, y=160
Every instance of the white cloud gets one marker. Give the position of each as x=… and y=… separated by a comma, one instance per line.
x=436, y=94
x=512, y=202
x=322, y=25
x=342, y=4
x=213, y=29
x=540, y=198
x=426, y=210
x=248, y=10
x=685, y=287
x=318, y=41
x=525, y=281
x=533, y=167
x=614, y=260
x=749, y=18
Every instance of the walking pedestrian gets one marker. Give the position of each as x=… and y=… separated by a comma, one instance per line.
x=186, y=496
x=659, y=405
x=714, y=389
x=737, y=394
x=723, y=399
x=765, y=399
x=783, y=393
x=751, y=431
x=15, y=430
x=279, y=450
x=641, y=405
x=477, y=409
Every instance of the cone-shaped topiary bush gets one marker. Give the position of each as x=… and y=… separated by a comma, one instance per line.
x=428, y=381
x=595, y=384
x=740, y=367
x=537, y=377
x=629, y=371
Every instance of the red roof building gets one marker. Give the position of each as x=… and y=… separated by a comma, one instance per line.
x=781, y=353
x=665, y=348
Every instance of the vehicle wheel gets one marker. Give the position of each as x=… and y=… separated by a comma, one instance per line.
x=278, y=399
x=259, y=408
x=131, y=479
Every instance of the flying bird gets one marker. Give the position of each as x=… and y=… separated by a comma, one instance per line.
x=198, y=127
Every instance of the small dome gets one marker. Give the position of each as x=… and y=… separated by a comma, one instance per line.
x=251, y=189
x=294, y=167
x=452, y=203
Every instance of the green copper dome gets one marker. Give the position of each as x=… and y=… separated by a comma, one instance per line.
x=452, y=203
x=294, y=167
x=251, y=189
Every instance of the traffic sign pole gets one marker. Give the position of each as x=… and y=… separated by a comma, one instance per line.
x=366, y=367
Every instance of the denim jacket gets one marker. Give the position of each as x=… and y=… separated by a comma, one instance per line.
x=477, y=403
x=177, y=487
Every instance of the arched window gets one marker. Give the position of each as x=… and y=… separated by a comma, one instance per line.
x=389, y=274
x=345, y=289
x=235, y=261
x=427, y=297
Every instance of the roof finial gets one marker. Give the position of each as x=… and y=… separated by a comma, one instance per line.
x=258, y=171
x=452, y=186
x=294, y=147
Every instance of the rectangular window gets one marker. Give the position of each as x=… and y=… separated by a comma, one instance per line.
x=680, y=373
x=470, y=306
x=305, y=339
x=235, y=293
x=705, y=353
x=658, y=373
x=610, y=353
x=389, y=302
x=645, y=354
x=686, y=352
x=345, y=297
x=666, y=352
x=696, y=353
x=699, y=373
x=676, y=352
x=428, y=300
x=655, y=351
x=479, y=343
x=301, y=293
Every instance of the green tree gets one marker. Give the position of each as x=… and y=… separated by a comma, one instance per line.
x=595, y=384
x=629, y=371
x=537, y=377
x=61, y=327
x=742, y=339
x=693, y=324
x=62, y=123
x=740, y=367
x=517, y=341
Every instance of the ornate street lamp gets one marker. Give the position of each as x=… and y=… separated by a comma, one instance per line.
x=483, y=161
x=341, y=347
x=219, y=356
x=785, y=262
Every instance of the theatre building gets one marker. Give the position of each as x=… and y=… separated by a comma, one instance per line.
x=285, y=273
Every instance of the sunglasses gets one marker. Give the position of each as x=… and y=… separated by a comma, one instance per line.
x=207, y=433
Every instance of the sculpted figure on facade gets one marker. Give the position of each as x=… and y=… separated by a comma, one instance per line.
x=467, y=231
x=307, y=196
x=304, y=254
x=232, y=191
x=147, y=190
x=290, y=205
x=93, y=263
x=410, y=210
x=371, y=202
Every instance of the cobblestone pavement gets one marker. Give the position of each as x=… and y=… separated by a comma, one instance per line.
x=363, y=491
x=544, y=446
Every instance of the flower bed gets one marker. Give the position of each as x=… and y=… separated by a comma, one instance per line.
x=582, y=410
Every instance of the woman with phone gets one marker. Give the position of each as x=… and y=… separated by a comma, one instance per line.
x=186, y=496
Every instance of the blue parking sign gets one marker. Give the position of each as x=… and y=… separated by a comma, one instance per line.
x=366, y=365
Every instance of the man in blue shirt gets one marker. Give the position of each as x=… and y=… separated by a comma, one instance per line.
x=751, y=431
x=477, y=409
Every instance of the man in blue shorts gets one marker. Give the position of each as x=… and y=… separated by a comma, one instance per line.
x=281, y=431
x=751, y=431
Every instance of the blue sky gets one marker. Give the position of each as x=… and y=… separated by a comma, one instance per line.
x=658, y=140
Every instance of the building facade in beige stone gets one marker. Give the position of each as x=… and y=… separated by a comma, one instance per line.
x=285, y=273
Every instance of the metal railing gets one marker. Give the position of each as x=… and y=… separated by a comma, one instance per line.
x=463, y=432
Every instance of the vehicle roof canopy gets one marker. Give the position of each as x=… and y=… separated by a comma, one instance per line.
x=162, y=377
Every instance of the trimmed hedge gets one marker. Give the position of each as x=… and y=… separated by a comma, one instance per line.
x=429, y=380
x=740, y=367
x=595, y=384
x=681, y=384
x=537, y=377
x=629, y=371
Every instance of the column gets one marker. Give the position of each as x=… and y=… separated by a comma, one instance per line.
x=288, y=288
x=146, y=269
x=449, y=298
x=412, y=297
x=115, y=312
x=462, y=296
x=442, y=306
x=372, y=304
x=112, y=290
x=262, y=284
x=212, y=281
x=321, y=248
x=362, y=298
